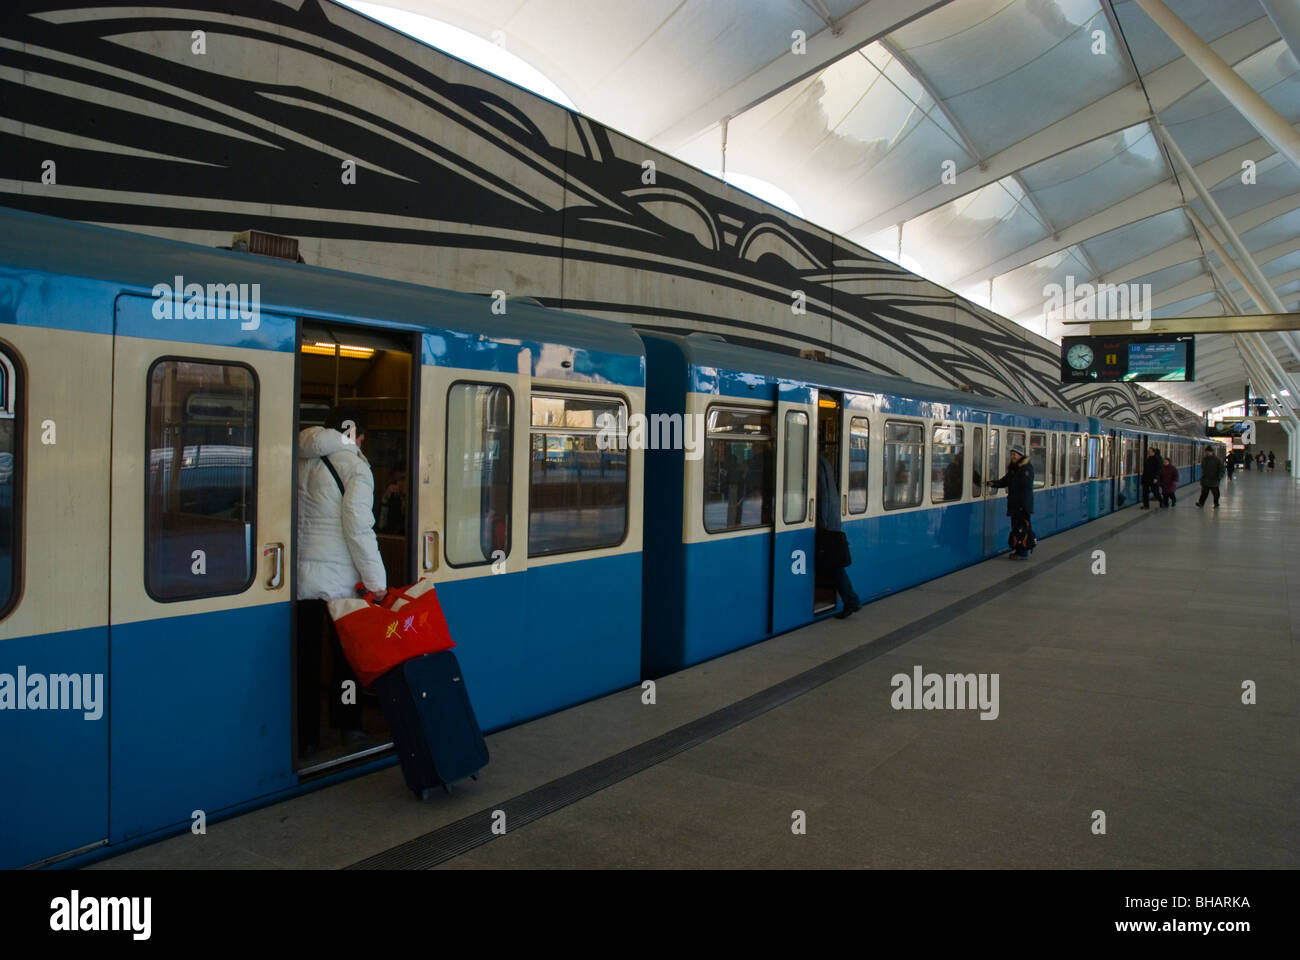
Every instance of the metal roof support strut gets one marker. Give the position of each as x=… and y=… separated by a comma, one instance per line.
x=1257, y=111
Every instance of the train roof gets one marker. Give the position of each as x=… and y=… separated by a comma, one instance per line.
x=709, y=351
x=36, y=242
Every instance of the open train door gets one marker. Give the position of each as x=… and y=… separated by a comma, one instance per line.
x=794, y=529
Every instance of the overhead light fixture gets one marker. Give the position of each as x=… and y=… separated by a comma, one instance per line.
x=323, y=349
x=1286, y=393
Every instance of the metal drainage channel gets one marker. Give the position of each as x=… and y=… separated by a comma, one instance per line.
x=454, y=839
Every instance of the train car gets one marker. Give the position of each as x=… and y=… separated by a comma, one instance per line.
x=910, y=461
x=152, y=397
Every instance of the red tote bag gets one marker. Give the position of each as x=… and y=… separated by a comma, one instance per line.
x=377, y=637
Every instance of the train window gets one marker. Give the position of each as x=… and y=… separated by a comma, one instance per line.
x=794, y=479
x=1130, y=455
x=947, y=463
x=577, y=492
x=904, y=455
x=480, y=439
x=10, y=474
x=859, y=448
x=1063, y=441
x=1038, y=458
x=200, y=479
x=1015, y=438
x=1051, y=458
x=977, y=463
x=1094, y=458
x=739, y=469
x=1075, y=459
x=995, y=455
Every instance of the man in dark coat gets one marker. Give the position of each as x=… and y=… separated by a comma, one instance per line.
x=1151, y=476
x=1019, y=483
x=1210, y=470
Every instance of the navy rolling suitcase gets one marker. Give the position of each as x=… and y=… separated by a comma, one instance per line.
x=431, y=720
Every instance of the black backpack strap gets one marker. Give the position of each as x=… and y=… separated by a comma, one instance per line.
x=333, y=473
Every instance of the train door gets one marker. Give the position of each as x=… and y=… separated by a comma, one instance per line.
x=793, y=539
x=362, y=376
x=978, y=476
x=993, y=504
x=1113, y=470
x=201, y=482
x=828, y=440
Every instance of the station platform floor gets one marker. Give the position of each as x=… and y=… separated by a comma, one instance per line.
x=1119, y=692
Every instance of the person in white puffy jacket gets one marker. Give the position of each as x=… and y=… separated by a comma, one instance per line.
x=337, y=549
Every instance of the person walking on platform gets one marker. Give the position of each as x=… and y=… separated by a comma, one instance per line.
x=1019, y=484
x=1271, y=461
x=828, y=522
x=1228, y=465
x=1151, y=476
x=1168, y=484
x=1259, y=461
x=1210, y=470
x=1247, y=459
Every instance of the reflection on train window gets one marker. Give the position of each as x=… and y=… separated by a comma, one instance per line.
x=9, y=476
x=200, y=500
x=577, y=492
x=1038, y=458
x=859, y=450
x=1130, y=455
x=739, y=470
x=1051, y=459
x=977, y=464
x=795, y=478
x=904, y=464
x=995, y=455
x=1094, y=458
x=1062, y=443
x=947, y=464
x=480, y=438
x=1075, y=459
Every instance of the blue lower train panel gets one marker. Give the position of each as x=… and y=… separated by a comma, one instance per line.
x=535, y=642
x=201, y=715
x=54, y=761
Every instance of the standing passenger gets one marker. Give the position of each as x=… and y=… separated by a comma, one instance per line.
x=336, y=550
x=1271, y=461
x=1019, y=482
x=1168, y=484
x=1210, y=468
x=1151, y=476
x=828, y=519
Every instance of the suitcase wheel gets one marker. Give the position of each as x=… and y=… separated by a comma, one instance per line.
x=474, y=777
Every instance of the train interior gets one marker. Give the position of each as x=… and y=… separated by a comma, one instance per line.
x=371, y=371
x=829, y=406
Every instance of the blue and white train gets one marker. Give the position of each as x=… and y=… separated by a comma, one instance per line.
x=148, y=661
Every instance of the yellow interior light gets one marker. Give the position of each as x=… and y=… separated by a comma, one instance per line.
x=327, y=350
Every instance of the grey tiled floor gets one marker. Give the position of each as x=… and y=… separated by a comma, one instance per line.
x=1119, y=693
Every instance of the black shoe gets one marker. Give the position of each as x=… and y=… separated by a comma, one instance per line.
x=848, y=612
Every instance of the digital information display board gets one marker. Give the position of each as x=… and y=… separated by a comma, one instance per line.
x=1155, y=357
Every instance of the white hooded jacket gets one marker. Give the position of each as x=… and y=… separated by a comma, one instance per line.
x=336, y=537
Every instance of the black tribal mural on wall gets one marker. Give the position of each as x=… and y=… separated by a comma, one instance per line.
x=462, y=178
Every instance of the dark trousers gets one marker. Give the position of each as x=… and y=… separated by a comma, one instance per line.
x=315, y=633
x=1170, y=498
x=844, y=587
x=1149, y=487
x=1205, y=492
